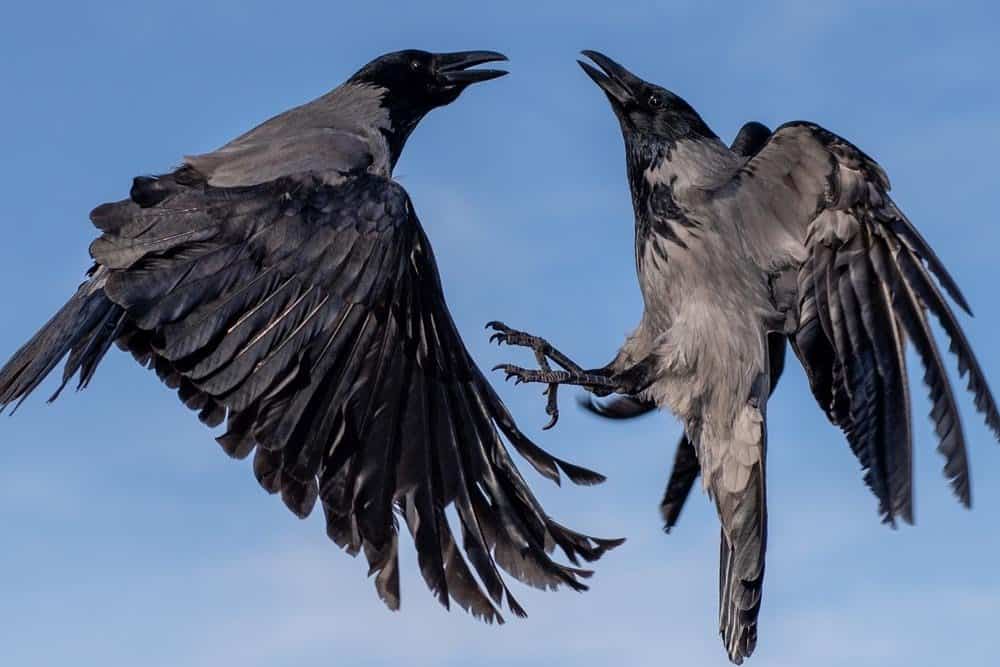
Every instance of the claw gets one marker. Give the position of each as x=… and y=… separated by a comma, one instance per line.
x=524, y=376
x=552, y=422
x=510, y=371
x=551, y=405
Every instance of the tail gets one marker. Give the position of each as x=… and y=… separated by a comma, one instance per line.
x=733, y=467
x=741, y=573
x=84, y=329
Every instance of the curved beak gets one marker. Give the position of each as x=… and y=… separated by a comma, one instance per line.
x=453, y=68
x=617, y=82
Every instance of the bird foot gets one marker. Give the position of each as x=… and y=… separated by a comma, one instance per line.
x=542, y=348
x=506, y=336
x=543, y=353
x=600, y=384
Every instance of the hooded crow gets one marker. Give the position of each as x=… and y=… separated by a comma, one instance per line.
x=283, y=284
x=799, y=240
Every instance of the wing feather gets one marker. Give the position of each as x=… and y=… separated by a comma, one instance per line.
x=867, y=280
x=310, y=317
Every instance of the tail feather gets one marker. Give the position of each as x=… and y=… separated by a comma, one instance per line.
x=741, y=576
x=734, y=469
x=84, y=329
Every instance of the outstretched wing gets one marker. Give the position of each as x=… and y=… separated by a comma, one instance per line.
x=311, y=318
x=811, y=201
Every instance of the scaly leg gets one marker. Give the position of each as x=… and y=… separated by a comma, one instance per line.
x=598, y=381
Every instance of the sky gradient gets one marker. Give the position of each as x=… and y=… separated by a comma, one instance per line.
x=130, y=538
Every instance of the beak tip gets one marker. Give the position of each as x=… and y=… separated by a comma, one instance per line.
x=608, y=75
x=455, y=68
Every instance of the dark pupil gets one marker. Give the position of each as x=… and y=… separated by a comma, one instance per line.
x=414, y=64
x=654, y=101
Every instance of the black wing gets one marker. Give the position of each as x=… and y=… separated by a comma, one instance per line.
x=310, y=318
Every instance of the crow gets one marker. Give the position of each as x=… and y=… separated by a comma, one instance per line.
x=283, y=284
x=800, y=240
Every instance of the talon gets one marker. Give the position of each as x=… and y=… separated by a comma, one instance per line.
x=493, y=324
x=496, y=337
x=552, y=422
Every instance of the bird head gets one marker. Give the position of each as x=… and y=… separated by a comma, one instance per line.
x=646, y=111
x=421, y=81
x=415, y=82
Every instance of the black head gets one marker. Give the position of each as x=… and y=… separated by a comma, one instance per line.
x=644, y=108
x=417, y=82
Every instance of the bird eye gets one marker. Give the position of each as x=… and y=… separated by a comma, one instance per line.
x=415, y=65
x=654, y=101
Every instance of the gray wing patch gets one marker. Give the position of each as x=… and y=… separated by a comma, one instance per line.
x=256, y=161
x=334, y=134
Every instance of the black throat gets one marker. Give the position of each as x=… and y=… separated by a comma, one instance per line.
x=643, y=153
x=401, y=126
x=656, y=209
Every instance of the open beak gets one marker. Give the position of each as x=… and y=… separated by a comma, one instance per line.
x=616, y=81
x=453, y=68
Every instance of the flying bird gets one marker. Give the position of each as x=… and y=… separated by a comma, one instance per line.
x=283, y=284
x=794, y=239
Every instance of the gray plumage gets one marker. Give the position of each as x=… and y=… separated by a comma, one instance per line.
x=330, y=136
x=737, y=250
x=748, y=141
x=284, y=286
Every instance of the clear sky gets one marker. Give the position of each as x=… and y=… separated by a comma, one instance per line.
x=130, y=538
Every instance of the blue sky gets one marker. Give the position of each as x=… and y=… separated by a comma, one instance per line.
x=131, y=538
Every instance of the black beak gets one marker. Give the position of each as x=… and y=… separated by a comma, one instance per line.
x=617, y=82
x=453, y=67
